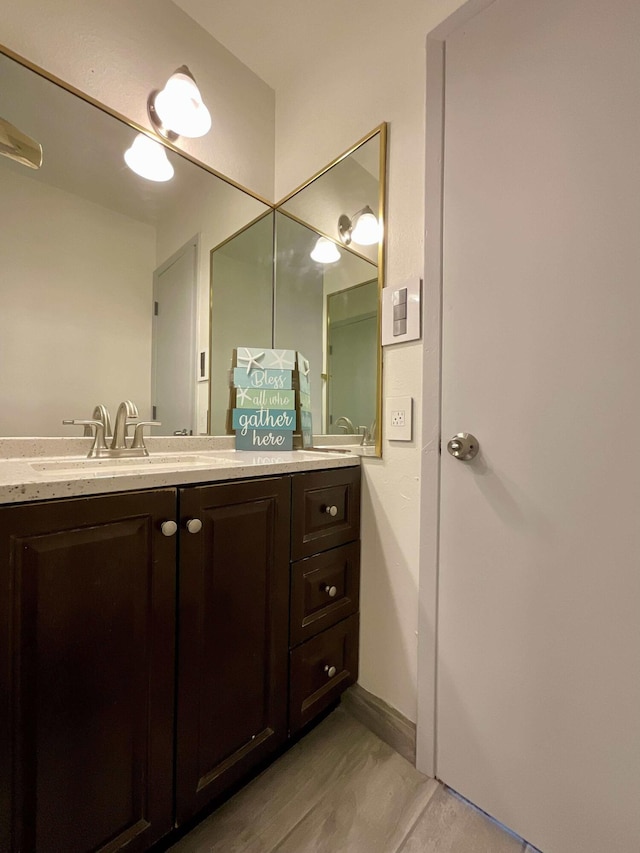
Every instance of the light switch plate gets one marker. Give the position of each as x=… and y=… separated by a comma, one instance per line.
x=398, y=420
x=390, y=297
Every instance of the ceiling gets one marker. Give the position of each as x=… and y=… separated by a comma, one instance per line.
x=274, y=39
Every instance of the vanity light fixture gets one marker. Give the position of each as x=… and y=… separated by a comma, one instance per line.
x=325, y=251
x=178, y=109
x=363, y=228
x=148, y=158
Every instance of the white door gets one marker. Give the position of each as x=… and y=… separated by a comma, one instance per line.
x=538, y=686
x=174, y=364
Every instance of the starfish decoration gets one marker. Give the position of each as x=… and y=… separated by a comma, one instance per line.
x=242, y=394
x=279, y=360
x=252, y=360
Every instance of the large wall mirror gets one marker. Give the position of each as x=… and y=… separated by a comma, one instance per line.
x=106, y=281
x=306, y=277
x=104, y=276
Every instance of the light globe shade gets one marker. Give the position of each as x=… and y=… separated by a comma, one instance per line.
x=147, y=158
x=325, y=251
x=366, y=230
x=180, y=107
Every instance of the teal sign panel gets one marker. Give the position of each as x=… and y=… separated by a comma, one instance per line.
x=272, y=380
x=264, y=439
x=252, y=398
x=277, y=419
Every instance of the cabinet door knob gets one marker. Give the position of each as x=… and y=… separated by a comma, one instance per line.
x=194, y=525
x=331, y=590
x=169, y=528
x=331, y=510
x=330, y=670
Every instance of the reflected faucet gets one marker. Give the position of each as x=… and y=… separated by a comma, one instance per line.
x=101, y=413
x=346, y=425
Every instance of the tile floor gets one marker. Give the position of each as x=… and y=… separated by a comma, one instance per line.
x=342, y=790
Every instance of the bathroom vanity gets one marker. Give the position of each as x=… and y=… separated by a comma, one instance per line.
x=163, y=633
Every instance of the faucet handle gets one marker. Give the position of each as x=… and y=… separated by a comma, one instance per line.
x=98, y=442
x=138, y=435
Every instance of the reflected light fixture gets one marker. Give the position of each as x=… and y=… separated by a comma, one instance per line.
x=148, y=158
x=363, y=228
x=325, y=251
x=178, y=109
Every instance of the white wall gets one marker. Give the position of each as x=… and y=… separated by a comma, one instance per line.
x=380, y=51
x=119, y=51
x=55, y=272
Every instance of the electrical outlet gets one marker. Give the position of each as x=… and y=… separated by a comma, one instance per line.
x=398, y=420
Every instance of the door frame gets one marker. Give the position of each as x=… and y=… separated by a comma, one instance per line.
x=431, y=416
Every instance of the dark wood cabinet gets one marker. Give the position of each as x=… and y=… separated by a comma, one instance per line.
x=232, y=637
x=87, y=612
x=325, y=583
x=147, y=668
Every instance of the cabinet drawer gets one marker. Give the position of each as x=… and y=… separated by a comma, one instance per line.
x=326, y=510
x=313, y=687
x=324, y=590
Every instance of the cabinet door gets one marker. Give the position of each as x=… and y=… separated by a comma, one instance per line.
x=232, y=635
x=87, y=618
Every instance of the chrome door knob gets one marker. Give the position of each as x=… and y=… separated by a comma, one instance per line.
x=331, y=510
x=194, y=525
x=463, y=446
x=330, y=670
x=331, y=591
x=169, y=528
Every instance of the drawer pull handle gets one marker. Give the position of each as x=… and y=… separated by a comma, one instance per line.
x=169, y=528
x=331, y=510
x=194, y=525
x=331, y=591
x=330, y=670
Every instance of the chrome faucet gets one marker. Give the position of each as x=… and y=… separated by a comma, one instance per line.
x=127, y=414
x=346, y=425
x=101, y=413
x=126, y=411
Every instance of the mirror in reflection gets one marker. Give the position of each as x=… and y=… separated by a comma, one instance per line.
x=292, y=281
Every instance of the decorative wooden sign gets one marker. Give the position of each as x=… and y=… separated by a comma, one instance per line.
x=272, y=399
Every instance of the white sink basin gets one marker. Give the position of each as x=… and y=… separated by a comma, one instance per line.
x=127, y=465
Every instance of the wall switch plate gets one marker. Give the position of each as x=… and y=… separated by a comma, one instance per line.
x=401, y=312
x=398, y=418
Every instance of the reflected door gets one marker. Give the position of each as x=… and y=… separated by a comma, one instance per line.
x=173, y=368
x=352, y=346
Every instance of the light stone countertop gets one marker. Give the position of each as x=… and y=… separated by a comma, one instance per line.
x=33, y=469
